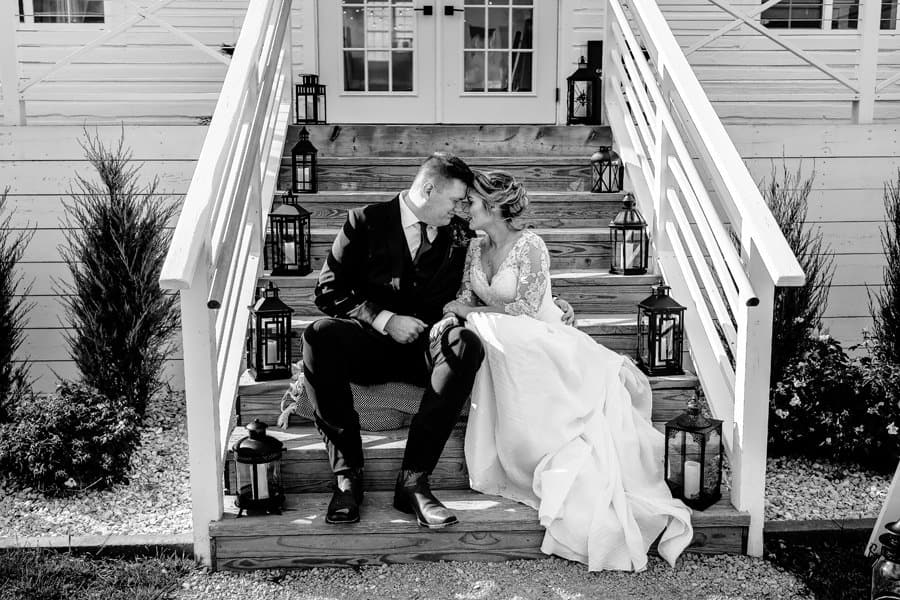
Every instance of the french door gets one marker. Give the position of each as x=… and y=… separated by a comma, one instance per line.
x=421, y=61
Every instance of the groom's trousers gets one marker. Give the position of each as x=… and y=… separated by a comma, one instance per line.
x=337, y=352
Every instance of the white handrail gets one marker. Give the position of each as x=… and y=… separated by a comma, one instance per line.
x=214, y=255
x=658, y=111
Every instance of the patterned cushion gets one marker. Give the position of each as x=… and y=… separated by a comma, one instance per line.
x=381, y=407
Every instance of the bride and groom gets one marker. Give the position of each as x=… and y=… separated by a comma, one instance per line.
x=557, y=421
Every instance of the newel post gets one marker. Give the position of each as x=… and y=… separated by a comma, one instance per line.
x=13, y=104
x=867, y=67
x=198, y=327
x=753, y=362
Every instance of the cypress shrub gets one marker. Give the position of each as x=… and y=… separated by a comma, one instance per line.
x=884, y=305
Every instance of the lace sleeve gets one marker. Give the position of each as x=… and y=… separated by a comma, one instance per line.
x=533, y=261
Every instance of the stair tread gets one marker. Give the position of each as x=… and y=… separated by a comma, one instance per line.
x=534, y=196
x=472, y=161
x=305, y=515
x=551, y=233
x=592, y=276
x=610, y=324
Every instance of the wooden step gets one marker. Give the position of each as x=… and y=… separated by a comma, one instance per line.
x=570, y=248
x=393, y=173
x=262, y=400
x=490, y=529
x=305, y=466
x=465, y=140
x=546, y=209
x=588, y=291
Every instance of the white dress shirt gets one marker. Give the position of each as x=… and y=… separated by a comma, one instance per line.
x=412, y=231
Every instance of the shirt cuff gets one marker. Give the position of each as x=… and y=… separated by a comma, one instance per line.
x=381, y=320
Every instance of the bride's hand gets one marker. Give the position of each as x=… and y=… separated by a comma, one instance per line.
x=438, y=329
x=457, y=308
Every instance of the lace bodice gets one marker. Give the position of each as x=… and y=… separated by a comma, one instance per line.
x=521, y=284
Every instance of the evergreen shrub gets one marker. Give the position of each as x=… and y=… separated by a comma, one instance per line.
x=117, y=236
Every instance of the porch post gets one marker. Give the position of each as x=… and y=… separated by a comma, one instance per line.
x=753, y=358
x=867, y=67
x=202, y=397
x=13, y=104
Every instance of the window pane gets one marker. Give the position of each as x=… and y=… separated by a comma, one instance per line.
x=403, y=71
x=354, y=26
x=354, y=71
x=91, y=10
x=522, y=2
x=50, y=11
x=474, y=3
x=888, y=14
x=474, y=71
x=795, y=14
x=378, y=25
x=521, y=77
x=498, y=72
x=498, y=28
x=521, y=21
x=402, y=35
x=473, y=30
x=378, y=70
x=845, y=14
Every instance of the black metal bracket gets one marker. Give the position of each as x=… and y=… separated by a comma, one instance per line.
x=426, y=10
x=449, y=10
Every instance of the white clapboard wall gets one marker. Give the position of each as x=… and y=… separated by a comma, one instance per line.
x=750, y=79
x=146, y=74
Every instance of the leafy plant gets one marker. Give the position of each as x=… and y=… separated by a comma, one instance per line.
x=117, y=238
x=884, y=306
x=798, y=310
x=14, y=306
x=74, y=438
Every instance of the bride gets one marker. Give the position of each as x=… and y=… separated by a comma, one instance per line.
x=557, y=421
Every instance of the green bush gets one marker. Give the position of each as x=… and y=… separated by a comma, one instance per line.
x=117, y=238
x=14, y=306
x=72, y=439
x=884, y=306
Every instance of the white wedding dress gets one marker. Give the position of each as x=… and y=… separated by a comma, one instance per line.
x=562, y=424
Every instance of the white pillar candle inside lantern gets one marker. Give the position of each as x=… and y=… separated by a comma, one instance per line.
x=271, y=352
x=691, y=479
x=261, y=482
x=290, y=251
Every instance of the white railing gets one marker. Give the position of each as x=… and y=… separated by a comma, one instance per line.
x=661, y=119
x=214, y=257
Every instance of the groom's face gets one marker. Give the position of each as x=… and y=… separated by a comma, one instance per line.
x=442, y=199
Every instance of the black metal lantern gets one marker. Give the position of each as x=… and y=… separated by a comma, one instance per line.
x=629, y=237
x=693, y=458
x=269, y=340
x=288, y=239
x=886, y=570
x=304, y=179
x=310, y=100
x=257, y=463
x=581, y=85
x=607, y=173
x=660, y=333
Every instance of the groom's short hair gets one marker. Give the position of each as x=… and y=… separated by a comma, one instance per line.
x=443, y=166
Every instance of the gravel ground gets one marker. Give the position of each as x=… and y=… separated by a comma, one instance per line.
x=157, y=498
x=696, y=578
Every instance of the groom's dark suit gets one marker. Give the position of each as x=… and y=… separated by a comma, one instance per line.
x=370, y=269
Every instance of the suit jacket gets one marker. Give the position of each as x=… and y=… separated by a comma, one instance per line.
x=369, y=268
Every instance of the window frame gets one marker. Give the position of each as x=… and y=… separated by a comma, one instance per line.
x=27, y=22
x=827, y=19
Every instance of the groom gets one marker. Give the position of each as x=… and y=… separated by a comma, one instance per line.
x=390, y=271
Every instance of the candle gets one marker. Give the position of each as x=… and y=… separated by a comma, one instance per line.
x=261, y=491
x=290, y=252
x=691, y=479
x=271, y=352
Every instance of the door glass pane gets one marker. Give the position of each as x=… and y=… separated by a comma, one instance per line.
x=498, y=71
x=521, y=28
x=521, y=72
x=474, y=64
x=498, y=28
x=378, y=42
x=474, y=2
x=473, y=31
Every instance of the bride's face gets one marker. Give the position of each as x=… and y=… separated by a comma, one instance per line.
x=479, y=213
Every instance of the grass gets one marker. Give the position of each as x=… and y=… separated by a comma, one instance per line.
x=36, y=574
x=831, y=565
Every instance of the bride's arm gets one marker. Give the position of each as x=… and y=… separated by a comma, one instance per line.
x=465, y=296
x=534, y=276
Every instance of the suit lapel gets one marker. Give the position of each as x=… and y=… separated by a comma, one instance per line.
x=396, y=239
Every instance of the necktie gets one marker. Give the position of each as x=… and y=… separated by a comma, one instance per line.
x=424, y=244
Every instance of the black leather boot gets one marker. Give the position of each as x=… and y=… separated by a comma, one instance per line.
x=348, y=495
x=412, y=495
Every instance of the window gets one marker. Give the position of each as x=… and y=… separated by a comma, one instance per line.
x=823, y=14
x=61, y=11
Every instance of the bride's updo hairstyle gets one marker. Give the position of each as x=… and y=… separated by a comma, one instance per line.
x=500, y=189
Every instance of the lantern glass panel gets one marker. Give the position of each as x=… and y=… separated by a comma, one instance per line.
x=643, y=336
x=667, y=326
x=712, y=463
x=674, y=443
x=581, y=96
x=258, y=481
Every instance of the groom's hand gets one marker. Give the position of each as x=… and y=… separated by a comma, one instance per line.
x=568, y=316
x=404, y=329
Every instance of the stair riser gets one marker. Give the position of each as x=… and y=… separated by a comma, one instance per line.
x=574, y=177
x=466, y=140
x=544, y=215
x=583, y=298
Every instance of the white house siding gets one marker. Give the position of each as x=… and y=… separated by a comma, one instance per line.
x=851, y=164
x=752, y=80
x=37, y=164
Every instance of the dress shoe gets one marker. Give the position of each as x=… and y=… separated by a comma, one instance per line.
x=348, y=495
x=412, y=495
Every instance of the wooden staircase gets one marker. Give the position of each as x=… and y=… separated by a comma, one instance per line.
x=364, y=164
